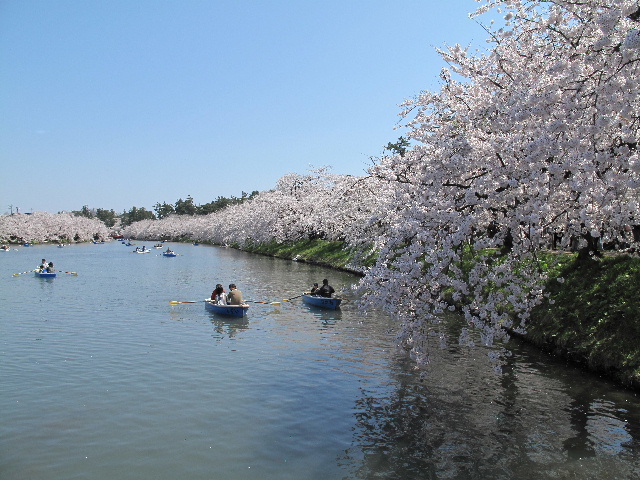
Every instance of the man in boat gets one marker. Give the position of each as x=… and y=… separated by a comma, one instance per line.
x=314, y=289
x=326, y=290
x=234, y=297
x=50, y=268
x=43, y=266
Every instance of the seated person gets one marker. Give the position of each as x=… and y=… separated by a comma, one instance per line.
x=235, y=295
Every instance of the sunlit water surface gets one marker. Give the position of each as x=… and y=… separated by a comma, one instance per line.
x=100, y=378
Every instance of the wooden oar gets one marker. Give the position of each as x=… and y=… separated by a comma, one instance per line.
x=292, y=298
x=173, y=302
x=21, y=273
x=266, y=303
x=72, y=273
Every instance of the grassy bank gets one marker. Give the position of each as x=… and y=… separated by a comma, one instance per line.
x=593, y=319
x=318, y=252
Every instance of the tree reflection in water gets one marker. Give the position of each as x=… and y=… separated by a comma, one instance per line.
x=539, y=419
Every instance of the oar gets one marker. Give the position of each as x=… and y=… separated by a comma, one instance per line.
x=266, y=303
x=173, y=302
x=21, y=273
x=72, y=273
x=292, y=298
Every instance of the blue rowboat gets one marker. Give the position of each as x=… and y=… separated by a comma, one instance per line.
x=45, y=274
x=165, y=254
x=323, y=302
x=227, y=310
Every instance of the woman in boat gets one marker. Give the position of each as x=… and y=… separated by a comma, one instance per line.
x=326, y=290
x=43, y=266
x=314, y=289
x=218, y=296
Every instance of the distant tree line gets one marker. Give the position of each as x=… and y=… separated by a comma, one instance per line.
x=162, y=210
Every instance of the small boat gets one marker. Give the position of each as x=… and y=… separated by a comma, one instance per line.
x=228, y=310
x=142, y=251
x=157, y=245
x=169, y=254
x=98, y=243
x=42, y=274
x=196, y=244
x=28, y=245
x=5, y=248
x=323, y=302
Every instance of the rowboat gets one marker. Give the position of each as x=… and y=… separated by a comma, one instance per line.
x=227, y=310
x=323, y=302
x=165, y=254
x=41, y=274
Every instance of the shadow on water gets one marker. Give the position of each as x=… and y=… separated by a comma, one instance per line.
x=227, y=327
x=327, y=318
x=539, y=419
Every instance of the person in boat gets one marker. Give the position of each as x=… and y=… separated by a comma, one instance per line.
x=235, y=296
x=314, y=289
x=325, y=290
x=169, y=250
x=50, y=268
x=43, y=266
x=219, y=296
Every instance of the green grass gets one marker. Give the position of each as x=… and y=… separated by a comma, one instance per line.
x=319, y=252
x=594, y=316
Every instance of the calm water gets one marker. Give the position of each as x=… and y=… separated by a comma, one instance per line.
x=100, y=378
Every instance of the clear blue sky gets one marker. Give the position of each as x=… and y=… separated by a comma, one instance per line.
x=117, y=103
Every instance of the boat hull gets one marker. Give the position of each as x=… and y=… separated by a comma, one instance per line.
x=169, y=254
x=227, y=310
x=45, y=274
x=322, y=302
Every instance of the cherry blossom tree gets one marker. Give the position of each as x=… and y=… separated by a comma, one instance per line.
x=40, y=227
x=317, y=204
x=535, y=137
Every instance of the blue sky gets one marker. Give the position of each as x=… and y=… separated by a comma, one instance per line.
x=122, y=103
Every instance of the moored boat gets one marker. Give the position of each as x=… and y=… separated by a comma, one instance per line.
x=323, y=302
x=227, y=310
x=41, y=274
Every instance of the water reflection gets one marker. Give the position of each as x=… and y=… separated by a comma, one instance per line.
x=327, y=318
x=227, y=327
x=530, y=422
